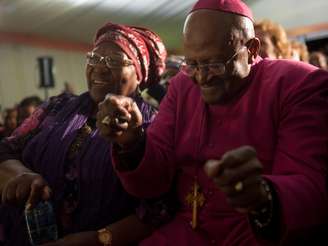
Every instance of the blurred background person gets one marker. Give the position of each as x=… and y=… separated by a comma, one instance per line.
x=1, y=117
x=273, y=37
x=172, y=68
x=318, y=59
x=154, y=94
x=26, y=107
x=10, y=122
x=299, y=51
x=69, y=88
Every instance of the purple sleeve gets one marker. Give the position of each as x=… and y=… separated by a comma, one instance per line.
x=300, y=166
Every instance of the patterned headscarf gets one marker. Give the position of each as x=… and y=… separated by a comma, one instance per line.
x=141, y=45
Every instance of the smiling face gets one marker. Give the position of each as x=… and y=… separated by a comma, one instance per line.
x=213, y=37
x=102, y=80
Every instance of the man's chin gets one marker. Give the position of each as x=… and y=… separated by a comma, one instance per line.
x=212, y=98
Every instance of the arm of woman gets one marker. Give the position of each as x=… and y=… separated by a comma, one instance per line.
x=11, y=149
x=15, y=179
x=127, y=231
x=17, y=182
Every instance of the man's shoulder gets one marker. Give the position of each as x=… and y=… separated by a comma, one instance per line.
x=286, y=67
x=58, y=103
x=287, y=73
x=182, y=83
x=289, y=78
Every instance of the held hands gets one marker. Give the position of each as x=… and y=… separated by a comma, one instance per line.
x=238, y=175
x=119, y=119
x=27, y=187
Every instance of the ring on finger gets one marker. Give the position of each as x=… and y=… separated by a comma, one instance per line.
x=239, y=186
x=106, y=120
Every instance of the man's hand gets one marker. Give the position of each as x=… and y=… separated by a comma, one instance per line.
x=238, y=175
x=119, y=119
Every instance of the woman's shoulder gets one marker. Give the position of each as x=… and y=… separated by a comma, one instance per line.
x=56, y=103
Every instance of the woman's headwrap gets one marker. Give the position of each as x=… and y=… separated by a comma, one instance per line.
x=141, y=45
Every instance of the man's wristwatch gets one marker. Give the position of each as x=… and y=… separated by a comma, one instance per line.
x=105, y=236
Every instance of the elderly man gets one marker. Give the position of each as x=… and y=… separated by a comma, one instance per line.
x=243, y=138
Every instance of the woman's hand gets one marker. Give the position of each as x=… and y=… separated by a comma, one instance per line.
x=88, y=238
x=26, y=187
x=119, y=119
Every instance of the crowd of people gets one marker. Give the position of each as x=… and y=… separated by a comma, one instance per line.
x=275, y=44
x=13, y=117
x=226, y=145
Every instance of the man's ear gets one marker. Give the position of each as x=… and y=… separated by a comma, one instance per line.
x=253, y=48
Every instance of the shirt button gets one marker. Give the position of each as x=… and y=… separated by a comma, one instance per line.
x=213, y=241
x=210, y=192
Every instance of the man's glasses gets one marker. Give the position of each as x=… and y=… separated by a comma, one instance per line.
x=111, y=62
x=217, y=68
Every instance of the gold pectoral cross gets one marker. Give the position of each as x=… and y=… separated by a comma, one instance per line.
x=195, y=199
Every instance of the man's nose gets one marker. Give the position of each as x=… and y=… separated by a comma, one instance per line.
x=202, y=75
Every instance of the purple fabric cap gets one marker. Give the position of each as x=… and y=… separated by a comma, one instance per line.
x=230, y=6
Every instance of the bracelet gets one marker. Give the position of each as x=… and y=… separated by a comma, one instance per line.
x=263, y=217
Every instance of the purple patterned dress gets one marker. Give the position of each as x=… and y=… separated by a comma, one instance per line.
x=60, y=141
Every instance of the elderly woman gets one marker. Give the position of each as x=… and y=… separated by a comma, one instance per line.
x=58, y=155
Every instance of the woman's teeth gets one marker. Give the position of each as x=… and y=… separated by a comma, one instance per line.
x=99, y=82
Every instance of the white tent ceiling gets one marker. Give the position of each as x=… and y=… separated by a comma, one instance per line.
x=77, y=20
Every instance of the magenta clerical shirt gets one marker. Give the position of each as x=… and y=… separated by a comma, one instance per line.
x=282, y=113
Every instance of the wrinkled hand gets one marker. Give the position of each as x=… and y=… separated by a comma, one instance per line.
x=88, y=238
x=27, y=187
x=119, y=119
x=238, y=175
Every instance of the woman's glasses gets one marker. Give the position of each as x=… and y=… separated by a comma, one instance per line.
x=111, y=62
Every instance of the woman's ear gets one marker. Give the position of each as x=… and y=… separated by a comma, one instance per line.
x=138, y=80
x=253, y=48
